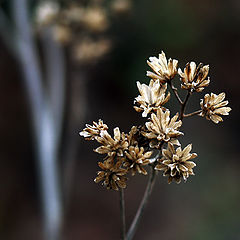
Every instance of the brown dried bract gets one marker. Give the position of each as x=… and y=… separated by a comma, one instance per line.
x=194, y=78
x=151, y=97
x=214, y=105
x=176, y=164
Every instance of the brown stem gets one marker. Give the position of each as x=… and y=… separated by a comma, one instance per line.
x=184, y=105
x=122, y=212
x=148, y=191
x=174, y=89
x=192, y=114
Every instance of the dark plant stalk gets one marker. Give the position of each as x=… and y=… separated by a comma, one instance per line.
x=122, y=212
x=192, y=114
x=183, y=105
x=174, y=89
x=143, y=204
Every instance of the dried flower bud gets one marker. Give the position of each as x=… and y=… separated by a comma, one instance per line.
x=95, y=19
x=162, y=128
x=164, y=70
x=121, y=6
x=88, y=51
x=213, y=106
x=151, y=97
x=112, y=174
x=62, y=34
x=194, y=78
x=116, y=144
x=136, y=158
x=91, y=132
x=176, y=164
x=46, y=12
x=74, y=14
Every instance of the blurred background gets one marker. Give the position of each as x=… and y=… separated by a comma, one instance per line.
x=67, y=63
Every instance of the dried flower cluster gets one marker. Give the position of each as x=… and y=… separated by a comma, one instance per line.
x=83, y=27
x=159, y=135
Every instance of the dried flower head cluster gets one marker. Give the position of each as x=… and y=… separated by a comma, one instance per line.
x=155, y=144
x=81, y=26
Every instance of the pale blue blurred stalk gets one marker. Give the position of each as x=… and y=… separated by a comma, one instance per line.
x=46, y=110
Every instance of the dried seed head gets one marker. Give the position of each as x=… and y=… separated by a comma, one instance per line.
x=62, y=34
x=214, y=105
x=46, y=12
x=175, y=163
x=113, y=175
x=95, y=19
x=136, y=158
x=88, y=51
x=121, y=6
x=91, y=132
x=117, y=144
x=162, y=128
x=194, y=78
x=151, y=97
x=163, y=70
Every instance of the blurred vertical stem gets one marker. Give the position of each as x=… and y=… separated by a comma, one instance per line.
x=143, y=204
x=42, y=117
x=55, y=69
x=122, y=212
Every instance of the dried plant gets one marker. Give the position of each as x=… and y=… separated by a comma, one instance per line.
x=150, y=148
x=81, y=26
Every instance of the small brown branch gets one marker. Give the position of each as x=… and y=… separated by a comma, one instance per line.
x=184, y=105
x=122, y=212
x=174, y=89
x=143, y=204
x=192, y=114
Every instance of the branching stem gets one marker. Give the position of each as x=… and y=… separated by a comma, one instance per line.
x=142, y=206
x=192, y=114
x=174, y=89
x=183, y=105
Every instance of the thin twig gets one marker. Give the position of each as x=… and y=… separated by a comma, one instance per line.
x=142, y=206
x=183, y=106
x=192, y=114
x=122, y=212
x=174, y=89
